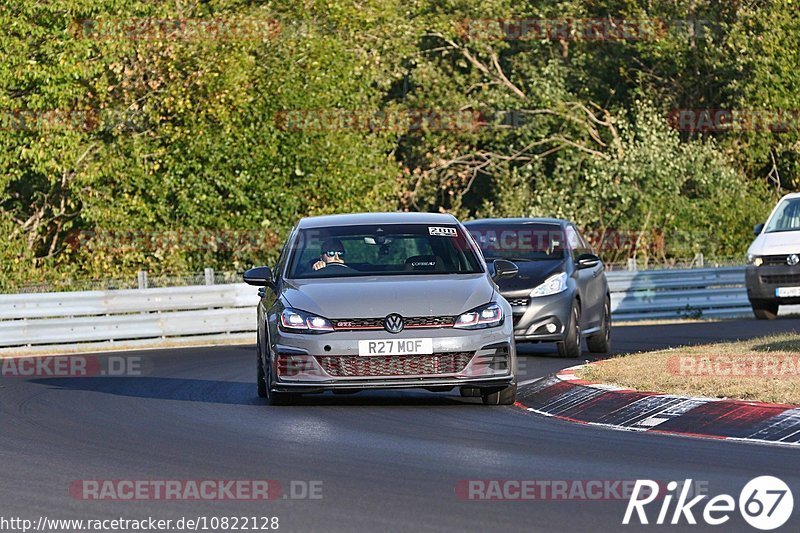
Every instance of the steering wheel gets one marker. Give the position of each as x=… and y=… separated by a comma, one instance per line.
x=340, y=265
x=321, y=271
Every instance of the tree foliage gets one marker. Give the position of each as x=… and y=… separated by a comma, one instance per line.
x=159, y=135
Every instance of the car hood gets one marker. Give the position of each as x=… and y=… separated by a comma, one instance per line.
x=531, y=274
x=779, y=243
x=378, y=296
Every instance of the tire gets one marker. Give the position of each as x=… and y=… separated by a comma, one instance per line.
x=265, y=386
x=600, y=342
x=506, y=396
x=261, y=379
x=765, y=309
x=571, y=345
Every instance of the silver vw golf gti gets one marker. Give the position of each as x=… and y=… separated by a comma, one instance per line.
x=383, y=301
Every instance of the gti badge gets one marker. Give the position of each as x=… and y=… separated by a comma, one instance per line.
x=792, y=260
x=393, y=323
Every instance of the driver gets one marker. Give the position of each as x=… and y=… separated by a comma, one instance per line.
x=332, y=252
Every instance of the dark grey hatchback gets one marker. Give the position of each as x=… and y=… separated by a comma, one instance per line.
x=560, y=293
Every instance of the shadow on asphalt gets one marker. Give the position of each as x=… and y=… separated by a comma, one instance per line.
x=237, y=393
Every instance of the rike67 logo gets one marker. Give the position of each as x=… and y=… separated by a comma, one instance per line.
x=765, y=503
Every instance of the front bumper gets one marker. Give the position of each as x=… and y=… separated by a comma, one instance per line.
x=405, y=383
x=762, y=281
x=298, y=367
x=541, y=319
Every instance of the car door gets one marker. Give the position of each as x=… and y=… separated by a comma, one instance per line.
x=594, y=286
x=581, y=276
x=267, y=295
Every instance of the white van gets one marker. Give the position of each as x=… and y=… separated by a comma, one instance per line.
x=773, y=260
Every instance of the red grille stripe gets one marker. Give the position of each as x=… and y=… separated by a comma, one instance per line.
x=396, y=365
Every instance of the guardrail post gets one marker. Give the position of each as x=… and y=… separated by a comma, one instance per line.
x=209, y=272
x=700, y=260
x=142, y=279
x=632, y=264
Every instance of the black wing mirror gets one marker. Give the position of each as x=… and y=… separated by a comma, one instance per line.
x=588, y=261
x=260, y=277
x=757, y=229
x=504, y=269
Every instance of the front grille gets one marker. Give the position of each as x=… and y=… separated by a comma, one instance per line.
x=772, y=260
x=518, y=301
x=345, y=324
x=394, y=365
x=430, y=321
x=350, y=324
x=778, y=279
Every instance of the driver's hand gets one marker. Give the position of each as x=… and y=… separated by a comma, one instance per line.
x=319, y=264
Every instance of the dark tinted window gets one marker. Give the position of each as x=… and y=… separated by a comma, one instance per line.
x=577, y=243
x=525, y=241
x=279, y=266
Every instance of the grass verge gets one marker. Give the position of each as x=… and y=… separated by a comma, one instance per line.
x=765, y=369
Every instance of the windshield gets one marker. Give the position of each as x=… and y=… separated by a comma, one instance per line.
x=786, y=217
x=519, y=242
x=390, y=249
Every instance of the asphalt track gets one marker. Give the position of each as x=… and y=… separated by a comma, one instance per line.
x=388, y=461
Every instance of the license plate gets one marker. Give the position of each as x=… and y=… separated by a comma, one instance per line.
x=787, y=292
x=396, y=347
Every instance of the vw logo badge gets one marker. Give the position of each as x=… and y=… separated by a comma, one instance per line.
x=393, y=323
x=792, y=260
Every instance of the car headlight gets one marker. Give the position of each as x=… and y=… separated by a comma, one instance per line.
x=294, y=320
x=552, y=285
x=486, y=316
x=754, y=260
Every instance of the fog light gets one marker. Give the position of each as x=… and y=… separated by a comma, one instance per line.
x=489, y=360
x=551, y=328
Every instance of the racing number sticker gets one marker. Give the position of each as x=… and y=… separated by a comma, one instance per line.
x=442, y=232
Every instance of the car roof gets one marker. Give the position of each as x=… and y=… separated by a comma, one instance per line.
x=355, y=219
x=503, y=221
x=791, y=196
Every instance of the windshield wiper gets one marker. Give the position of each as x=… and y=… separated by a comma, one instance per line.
x=782, y=230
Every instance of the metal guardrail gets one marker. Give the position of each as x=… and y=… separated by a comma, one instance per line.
x=694, y=293
x=119, y=315
x=67, y=317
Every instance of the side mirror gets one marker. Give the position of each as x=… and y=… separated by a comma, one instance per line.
x=260, y=277
x=587, y=261
x=504, y=269
x=757, y=229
